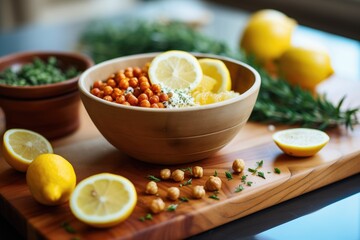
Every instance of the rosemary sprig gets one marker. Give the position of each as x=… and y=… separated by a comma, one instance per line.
x=228, y=175
x=153, y=178
x=276, y=170
x=277, y=102
x=188, y=182
x=68, y=227
x=239, y=188
x=172, y=207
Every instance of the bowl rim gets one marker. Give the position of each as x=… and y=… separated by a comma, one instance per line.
x=250, y=91
x=75, y=55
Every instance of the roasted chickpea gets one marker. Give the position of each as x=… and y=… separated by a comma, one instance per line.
x=156, y=88
x=160, y=104
x=124, y=83
x=101, y=94
x=111, y=82
x=129, y=74
x=137, y=91
x=238, y=165
x=95, y=91
x=198, y=171
x=126, y=103
x=120, y=76
x=157, y=205
x=173, y=193
x=149, y=93
x=163, y=97
x=98, y=84
x=137, y=71
x=165, y=173
x=132, y=100
x=117, y=92
x=108, y=98
x=213, y=184
x=143, y=79
x=142, y=96
x=108, y=90
x=133, y=82
x=144, y=86
x=151, y=188
x=154, y=105
x=154, y=99
x=120, y=99
x=145, y=103
x=178, y=175
x=198, y=192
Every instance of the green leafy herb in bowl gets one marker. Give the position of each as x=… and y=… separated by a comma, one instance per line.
x=37, y=72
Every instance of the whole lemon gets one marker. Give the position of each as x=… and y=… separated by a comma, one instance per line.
x=51, y=179
x=267, y=34
x=305, y=66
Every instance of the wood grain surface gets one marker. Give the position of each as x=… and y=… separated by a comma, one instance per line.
x=90, y=153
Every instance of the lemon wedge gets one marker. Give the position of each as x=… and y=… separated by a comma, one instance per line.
x=217, y=70
x=103, y=200
x=301, y=142
x=175, y=69
x=22, y=146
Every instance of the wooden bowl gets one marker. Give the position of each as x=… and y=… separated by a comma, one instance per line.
x=52, y=109
x=170, y=136
x=66, y=59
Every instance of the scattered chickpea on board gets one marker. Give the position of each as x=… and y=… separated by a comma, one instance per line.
x=213, y=184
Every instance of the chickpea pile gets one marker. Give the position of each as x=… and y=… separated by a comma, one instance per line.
x=131, y=86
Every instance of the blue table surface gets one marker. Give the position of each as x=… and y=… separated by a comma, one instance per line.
x=331, y=212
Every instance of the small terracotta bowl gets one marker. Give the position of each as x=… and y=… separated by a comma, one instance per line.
x=52, y=109
x=170, y=136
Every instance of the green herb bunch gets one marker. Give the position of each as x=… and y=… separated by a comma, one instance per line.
x=278, y=101
x=37, y=72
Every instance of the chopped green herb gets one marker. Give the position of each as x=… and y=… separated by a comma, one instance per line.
x=228, y=175
x=189, y=169
x=188, y=182
x=243, y=178
x=259, y=164
x=214, y=196
x=215, y=174
x=268, y=172
x=142, y=219
x=148, y=216
x=183, y=199
x=153, y=178
x=172, y=207
x=277, y=170
x=252, y=170
x=68, y=227
x=249, y=183
x=261, y=174
x=239, y=188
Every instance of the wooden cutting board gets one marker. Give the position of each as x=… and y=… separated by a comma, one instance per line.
x=90, y=153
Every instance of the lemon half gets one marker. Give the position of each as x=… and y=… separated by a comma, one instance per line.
x=301, y=142
x=175, y=69
x=22, y=146
x=103, y=200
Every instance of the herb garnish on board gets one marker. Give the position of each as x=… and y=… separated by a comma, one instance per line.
x=278, y=101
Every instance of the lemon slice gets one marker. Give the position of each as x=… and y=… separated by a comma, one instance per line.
x=103, y=200
x=175, y=69
x=216, y=69
x=204, y=98
x=21, y=147
x=301, y=142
